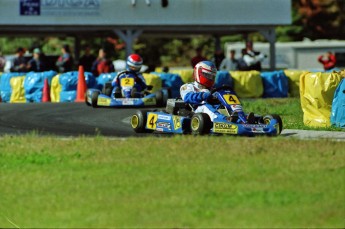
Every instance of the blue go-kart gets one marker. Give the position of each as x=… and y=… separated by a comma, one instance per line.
x=130, y=97
x=179, y=118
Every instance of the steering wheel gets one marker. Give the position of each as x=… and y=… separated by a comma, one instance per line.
x=224, y=87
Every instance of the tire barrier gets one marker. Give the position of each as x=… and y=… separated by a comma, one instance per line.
x=275, y=84
x=338, y=106
x=316, y=94
x=172, y=81
x=247, y=84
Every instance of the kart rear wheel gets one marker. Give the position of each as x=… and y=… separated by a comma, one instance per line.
x=87, y=103
x=200, y=124
x=94, y=98
x=138, y=122
x=268, y=118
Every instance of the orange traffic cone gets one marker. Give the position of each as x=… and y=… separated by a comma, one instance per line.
x=81, y=87
x=46, y=91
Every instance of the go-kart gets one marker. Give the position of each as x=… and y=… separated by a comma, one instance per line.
x=130, y=97
x=178, y=117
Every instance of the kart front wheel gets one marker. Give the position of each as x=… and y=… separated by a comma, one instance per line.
x=268, y=118
x=200, y=124
x=138, y=122
x=87, y=102
x=94, y=98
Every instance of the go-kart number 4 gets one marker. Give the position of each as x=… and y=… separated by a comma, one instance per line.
x=151, y=121
x=127, y=82
x=231, y=99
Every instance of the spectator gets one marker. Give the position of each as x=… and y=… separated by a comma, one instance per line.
x=199, y=57
x=329, y=62
x=87, y=59
x=102, y=64
x=2, y=62
x=218, y=57
x=65, y=62
x=37, y=63
x=241, y=64
x=19, y=62
x=253, y=58
x=231, y=63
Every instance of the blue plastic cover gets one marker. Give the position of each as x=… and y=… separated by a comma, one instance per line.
x=172, y=81
x=5, y=86
x=223, y=78
x=338, y=106
x=275, y=84
x=33, y=84
x=104, y=78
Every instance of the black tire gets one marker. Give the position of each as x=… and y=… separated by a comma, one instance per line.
x=94, y=98
x=200, y=124
x=87, y=103
x=161, y=100
x=134, y=93
x=268, y=118
x=138, y=122
x=107, y=89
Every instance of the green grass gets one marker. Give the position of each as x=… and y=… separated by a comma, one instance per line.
x=288, y=108
x=181, y=181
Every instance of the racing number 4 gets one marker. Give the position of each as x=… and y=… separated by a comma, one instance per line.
x=231, y=99
x=151, y=121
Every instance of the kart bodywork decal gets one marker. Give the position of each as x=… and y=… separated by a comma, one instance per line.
x=149, y=101
x=231, y=99
x=151, y=121
x=101, y=101
x=225, y=128
x=177, y=122
x=127, y=82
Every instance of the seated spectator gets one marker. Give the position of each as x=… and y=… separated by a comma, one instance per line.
x=229, y=64
x=102, y=64
x=37, y=63
x=328, y=61
x=87, y=59
x=65, y=62
x=19, y=62
x=198, y=58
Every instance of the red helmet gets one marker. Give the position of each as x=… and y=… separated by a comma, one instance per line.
x=134, y=62
x=205, y=73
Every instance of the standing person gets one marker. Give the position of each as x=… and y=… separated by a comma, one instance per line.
x=87, y=59
x=329, y=62
x=2, y=62
x=19, y=62
x=199, y=57
x=37, y=62
x=102, y=64
x=231, y=63
x=65, y=62
x=218, y=57
x=253, y=58
x=241, y=64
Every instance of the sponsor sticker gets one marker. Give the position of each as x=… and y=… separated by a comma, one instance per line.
x=177, y=122
x=164, y=117
x=225, y=128
x=128, y=101
x=166, y=125
x=103, y=101
x=149, y=101
x=151, y=121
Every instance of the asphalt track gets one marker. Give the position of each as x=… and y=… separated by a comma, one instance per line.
x=78, y=119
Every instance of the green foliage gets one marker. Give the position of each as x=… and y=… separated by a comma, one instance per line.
x=221, y=182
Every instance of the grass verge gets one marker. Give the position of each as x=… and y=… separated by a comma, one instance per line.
x=180, y=181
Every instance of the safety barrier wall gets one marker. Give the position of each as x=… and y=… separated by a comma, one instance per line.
x=321, y=93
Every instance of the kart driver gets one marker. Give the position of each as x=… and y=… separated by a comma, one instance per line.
x=198, y=92
x=133, y=66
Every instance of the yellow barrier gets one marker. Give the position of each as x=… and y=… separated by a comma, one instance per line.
x=316, y=93
x=185, y=74
x=293, y=80
x=55, y=89
x=154, y=80
x=18, y=92
x=247, y=84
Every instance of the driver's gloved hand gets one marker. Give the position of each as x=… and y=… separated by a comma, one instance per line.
x=206, y=96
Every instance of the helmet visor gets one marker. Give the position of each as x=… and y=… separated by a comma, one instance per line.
x=207, y=74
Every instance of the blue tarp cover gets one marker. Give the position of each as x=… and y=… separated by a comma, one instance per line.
x=338, y=106
x=275, y=84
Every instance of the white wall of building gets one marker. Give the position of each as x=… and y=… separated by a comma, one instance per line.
x=294, y=55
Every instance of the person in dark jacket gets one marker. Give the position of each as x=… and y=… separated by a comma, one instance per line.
x=65, y=62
